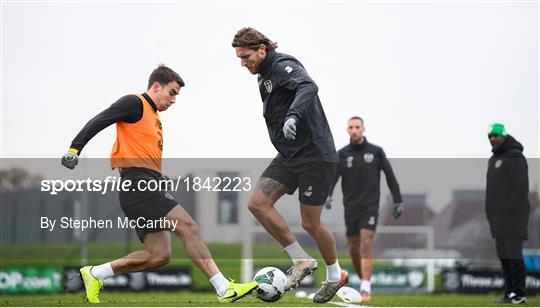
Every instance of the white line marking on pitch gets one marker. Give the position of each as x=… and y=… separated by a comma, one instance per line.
x=347, y=305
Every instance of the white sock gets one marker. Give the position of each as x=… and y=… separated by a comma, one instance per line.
x=296, y=252
x=365, y=286
x=102, y=271
x=333, y=272
x=220, y=283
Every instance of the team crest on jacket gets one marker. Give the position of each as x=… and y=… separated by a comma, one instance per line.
x=368, y=158
x=498, y=163
x=268, y=85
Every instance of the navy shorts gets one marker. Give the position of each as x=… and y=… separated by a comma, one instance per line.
x=360, y=220
x=313, y=179
x=150, y=205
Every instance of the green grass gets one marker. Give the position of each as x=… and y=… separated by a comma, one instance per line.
x=227, y=257
x=142, y=299
x=209, y=299
x=68, y=254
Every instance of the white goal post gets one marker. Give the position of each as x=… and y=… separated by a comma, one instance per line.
x=249, y=234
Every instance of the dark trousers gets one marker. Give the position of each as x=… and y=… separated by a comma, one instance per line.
x=510, y=252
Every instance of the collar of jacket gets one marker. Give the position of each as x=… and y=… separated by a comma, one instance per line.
x=359, y=146
x=266, y=64
x=150, y=101
x=508, y=144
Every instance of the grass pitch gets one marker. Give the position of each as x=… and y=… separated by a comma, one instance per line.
x=113, y=299
x=227, y=257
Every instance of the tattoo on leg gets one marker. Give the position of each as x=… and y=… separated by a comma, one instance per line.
x=269, y=186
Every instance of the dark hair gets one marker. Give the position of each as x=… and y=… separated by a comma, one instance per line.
x=252, y=39
x=163, y=75
x=357, y=118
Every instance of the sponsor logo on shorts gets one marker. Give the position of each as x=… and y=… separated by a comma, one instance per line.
x=268, y=85
x=368, y=157
x=498, y=163
x=308, y=192
x=371, y=221
x=169, y=196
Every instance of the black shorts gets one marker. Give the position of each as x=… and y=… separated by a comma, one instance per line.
x=312, y=179
x=360, y=220
x=150, y=205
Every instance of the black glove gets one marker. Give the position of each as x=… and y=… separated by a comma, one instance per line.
x=399, y=208
x=71, y=159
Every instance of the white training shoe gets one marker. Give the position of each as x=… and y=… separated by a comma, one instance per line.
x=299, y=271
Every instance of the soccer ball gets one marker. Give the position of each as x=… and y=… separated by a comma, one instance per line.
x=272, y=283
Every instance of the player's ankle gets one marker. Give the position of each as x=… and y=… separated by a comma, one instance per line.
x=365, y=286
x=333, y=272
x=220, y=283
x=296, y=252
x=102, y=271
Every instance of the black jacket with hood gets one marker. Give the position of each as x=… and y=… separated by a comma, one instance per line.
x=507, y=189
x=287, y=91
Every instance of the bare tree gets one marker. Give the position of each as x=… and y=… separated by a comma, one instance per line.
x=18, y=178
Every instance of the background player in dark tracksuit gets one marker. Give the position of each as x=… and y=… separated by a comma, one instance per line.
x=137, y=154
x=507, y=209
x=306, y=156
x=360, y=168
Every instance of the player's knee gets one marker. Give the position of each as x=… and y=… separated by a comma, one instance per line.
x=310, y=226
x=162, y=258
x=256, y=207
x=366, y=242
x=366, y=246
x=354, y=250
x=160, y=261
x=157, y=259
x=252, y=207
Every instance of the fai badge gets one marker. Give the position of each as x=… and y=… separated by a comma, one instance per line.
x=368, y=158
x=498, y=163
x=268, y=85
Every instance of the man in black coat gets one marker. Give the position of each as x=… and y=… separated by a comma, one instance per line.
x=507, y=208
